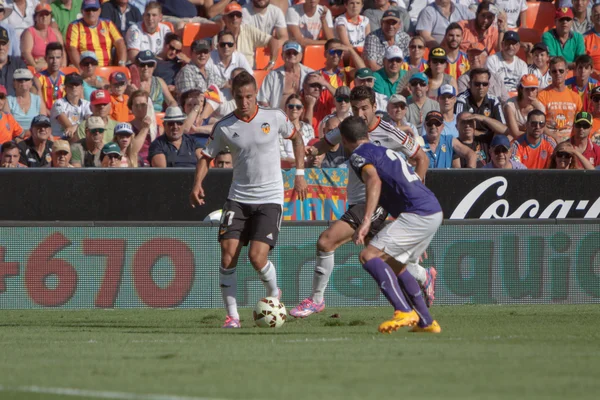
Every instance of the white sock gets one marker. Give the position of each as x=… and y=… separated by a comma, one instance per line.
x=268, y=276
x=325, y=263
x=418, y=272
x=228, y=284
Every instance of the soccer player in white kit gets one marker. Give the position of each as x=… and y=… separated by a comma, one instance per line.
x=252, y=213
x=383, y=134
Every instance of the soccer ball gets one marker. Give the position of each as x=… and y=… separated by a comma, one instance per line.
x=269, y=313
x=214, y=216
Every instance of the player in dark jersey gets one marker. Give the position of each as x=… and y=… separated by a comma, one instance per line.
x=392, y=184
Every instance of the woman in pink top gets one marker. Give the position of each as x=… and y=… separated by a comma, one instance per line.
x=35, y=38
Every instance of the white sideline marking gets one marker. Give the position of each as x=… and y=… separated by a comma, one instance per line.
x=99, y=394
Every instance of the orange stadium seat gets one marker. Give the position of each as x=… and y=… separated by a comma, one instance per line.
x=195, y=31
x=159, y=118
x=540, y=16
x=260, y=77
x=314, y=57
x=262, y=56
x=105, y=72
x=69, y=70
x=530, y=36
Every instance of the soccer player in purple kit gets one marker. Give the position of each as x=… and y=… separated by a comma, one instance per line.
x=392, y=184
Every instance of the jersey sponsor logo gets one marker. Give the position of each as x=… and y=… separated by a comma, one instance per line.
x=270, y=236
x=235, y=135
x=266, y=128
x=357, y=161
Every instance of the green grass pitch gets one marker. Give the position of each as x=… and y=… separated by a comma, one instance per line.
x=484, y=352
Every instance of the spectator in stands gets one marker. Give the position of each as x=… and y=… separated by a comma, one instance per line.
x=286, y=80
x=225, y=104
x=171, y=60
x=390, y=34
x=595, y=131
x=514, y=10
x=52, y=81
x=582, y=22
x=309, y=23
x=265, y=17
x=118, y=98
x=224, y=160
x=419, y=105
x=156, y=86
x=477, y=100
x=91, y=81
x=86, y=152
x=69, y=111
x=124, y=138
x=416, y=52
x=375, y=13
x=534, y=148
x=581, y=138
x=8, y=64
x=226, y=58
x=100, y=102
x=366, y=77
x=396, y=109
x=193, y=103
x=517, y=108
x=35, y=38
x=446, y=97
x=15, y=43
x=294, y=109
x=334, y=158
x=174, y=148
x=435, y=18
x=24, y=105
x=438, y=64
x=316, y=106
x=591, y=39
x=83, y=33
x=148, y=34
x=335, y=76
x=181, y=12
x=144, y=127
x=561, y=40
x=198, y=74
x=505, y=64
x=35, y=151
x=352, y=28
x=477, y=56
x=441, y=148
x=248, y=38
x=342, y=108
x=121, y=13
x=457, y=62
x=541, y=64
x=582, y=82
x=21, y=16
x=10, y=156
x=388, y=77
x=482, y=29
x=111, y=156
x=9, y=127
x=561, y=103
x=567, y=157
x=61, y=155
x=499, y=155
x=64, y=12
x=470, y=137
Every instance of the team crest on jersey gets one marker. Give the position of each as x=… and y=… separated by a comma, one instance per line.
x=444, y=149
x=48, y=157
x=462, y=67
x=487, y=112
x=158, y=43
x=103, y=31
x=543, y=154
x=376, y=142
x=7, y=127
x=135, y=35
x=357, y=161
x=266, y=128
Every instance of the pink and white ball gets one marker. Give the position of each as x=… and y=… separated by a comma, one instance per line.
x=269, y=313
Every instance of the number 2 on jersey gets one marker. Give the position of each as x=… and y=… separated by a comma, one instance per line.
x=408, y=173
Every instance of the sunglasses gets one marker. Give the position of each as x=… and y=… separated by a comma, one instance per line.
x=88, y=63
x=342, y=99
x=582, y=125
x=226, y=44
x=418, y=83
x=402, y=106
x=395, y=60
x=367, y=80
x=434, y=123
x=114, y=156
x=146, y=65
x=480, y=84
x=335, y=52
x=390, y=22
x=119, y=83
x=292, y=53
x=2, y=96
x=316, y=86
x=202, y=52
x=563, y=154
x=295, y=106
x=416, y=47
x=176, y=50
x=537, y=124
x=235, y=15
x=96, y=131
x=500, y=150
x=73, y=85
x=91, y=10
x=178, y=123
x=565, y=20
x=438, y=61
x=557, y=71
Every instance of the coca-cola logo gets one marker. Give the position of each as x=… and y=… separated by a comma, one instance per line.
x=501, y=209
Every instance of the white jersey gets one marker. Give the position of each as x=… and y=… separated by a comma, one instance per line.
x=254, y=147
x=356, y=32
x=310, y=27
x=271, y=19
x=137, y=38
x=75, y=113
x=384, y=134
x=513, y=9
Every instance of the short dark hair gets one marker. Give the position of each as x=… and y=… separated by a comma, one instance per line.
x=479, y=71
x=330, y=42
x=360, y=93
x=187, y=95
x=137, y=93
x=225, y=32
x=485, y=5
x=584, y=60
x=53, y=46
x=558, y=60
x=535, y=112
x=354, y=128
x=223, y=152
x=169, y=37
x=453, y=26
x=243, y=79
x=11, y=144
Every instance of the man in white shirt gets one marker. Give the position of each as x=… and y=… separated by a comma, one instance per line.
x=225, y=58
x=307, y=21
x=506, y=65
x=266, y=17
x=147, y=35
x=514, y=9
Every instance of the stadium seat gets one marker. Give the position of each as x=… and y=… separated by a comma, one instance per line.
x=69, y=70
x=262, y=56
x=540, y=16
x=260, y=77
x=527, y=36
x=170, y=25
x=159, y=118
x=196, y=30
x=105, y=72
x=314, y=57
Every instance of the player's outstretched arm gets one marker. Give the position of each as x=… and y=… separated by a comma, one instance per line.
x=300, y=186
x=373, y=191
x=197, y=194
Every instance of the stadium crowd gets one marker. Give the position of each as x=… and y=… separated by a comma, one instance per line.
x=137, y=83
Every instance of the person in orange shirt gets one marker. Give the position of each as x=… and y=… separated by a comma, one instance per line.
x=591, y=40
x=9, y=127
x=118, y=98
x=481, y=29
x=562, y=104
x=534, y=148
x=595, y=100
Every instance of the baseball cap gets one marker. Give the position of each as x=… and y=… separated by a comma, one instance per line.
x=123, y=128
x=87, y=4
x=22, y=73
x=540, y=46
x=419, y=76
x=447, y=89
x=393, y=52
x=364, y=73
x=434, y=116
x=232, y=7
x=117, y=77
x=88, y=54
x=529, y=81
x=397, y=98
x=73, y=79
x=438, y=53
x=40, y=120
x=4, y=35
x=100, y=96
x=500, y=140
x=292, y=45
x=595, y=92
x=199, y=45
x=391, y=14
x=584, y=117
x=42, y=7
x=564, y=12
x=511, y=36
x=3, y=90
x=110, y=148
x=342, y=91
x=95, y=123
x=477, y=47
x=145, y=57
x=61, y=145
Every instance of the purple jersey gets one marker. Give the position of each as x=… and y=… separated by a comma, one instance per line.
x=401, y=188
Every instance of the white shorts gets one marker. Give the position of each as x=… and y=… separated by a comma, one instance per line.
x=407, y=238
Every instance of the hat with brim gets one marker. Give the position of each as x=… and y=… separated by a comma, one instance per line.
x=146, y=57
x=123, y=129
x=500, y=140
x=434, y=116
x=110, y=148
x=391, y=14
x=174, y=114
x=438, y=53
x=364, y=73
x=22, y=73
x=584, y=117
x=7, y=10
x=88, y=55
x=41, y=120
x=397, y=98
x=477, y=47
x=61, y=145
x=200, y=45
x=73, y=79
x=95, y=123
